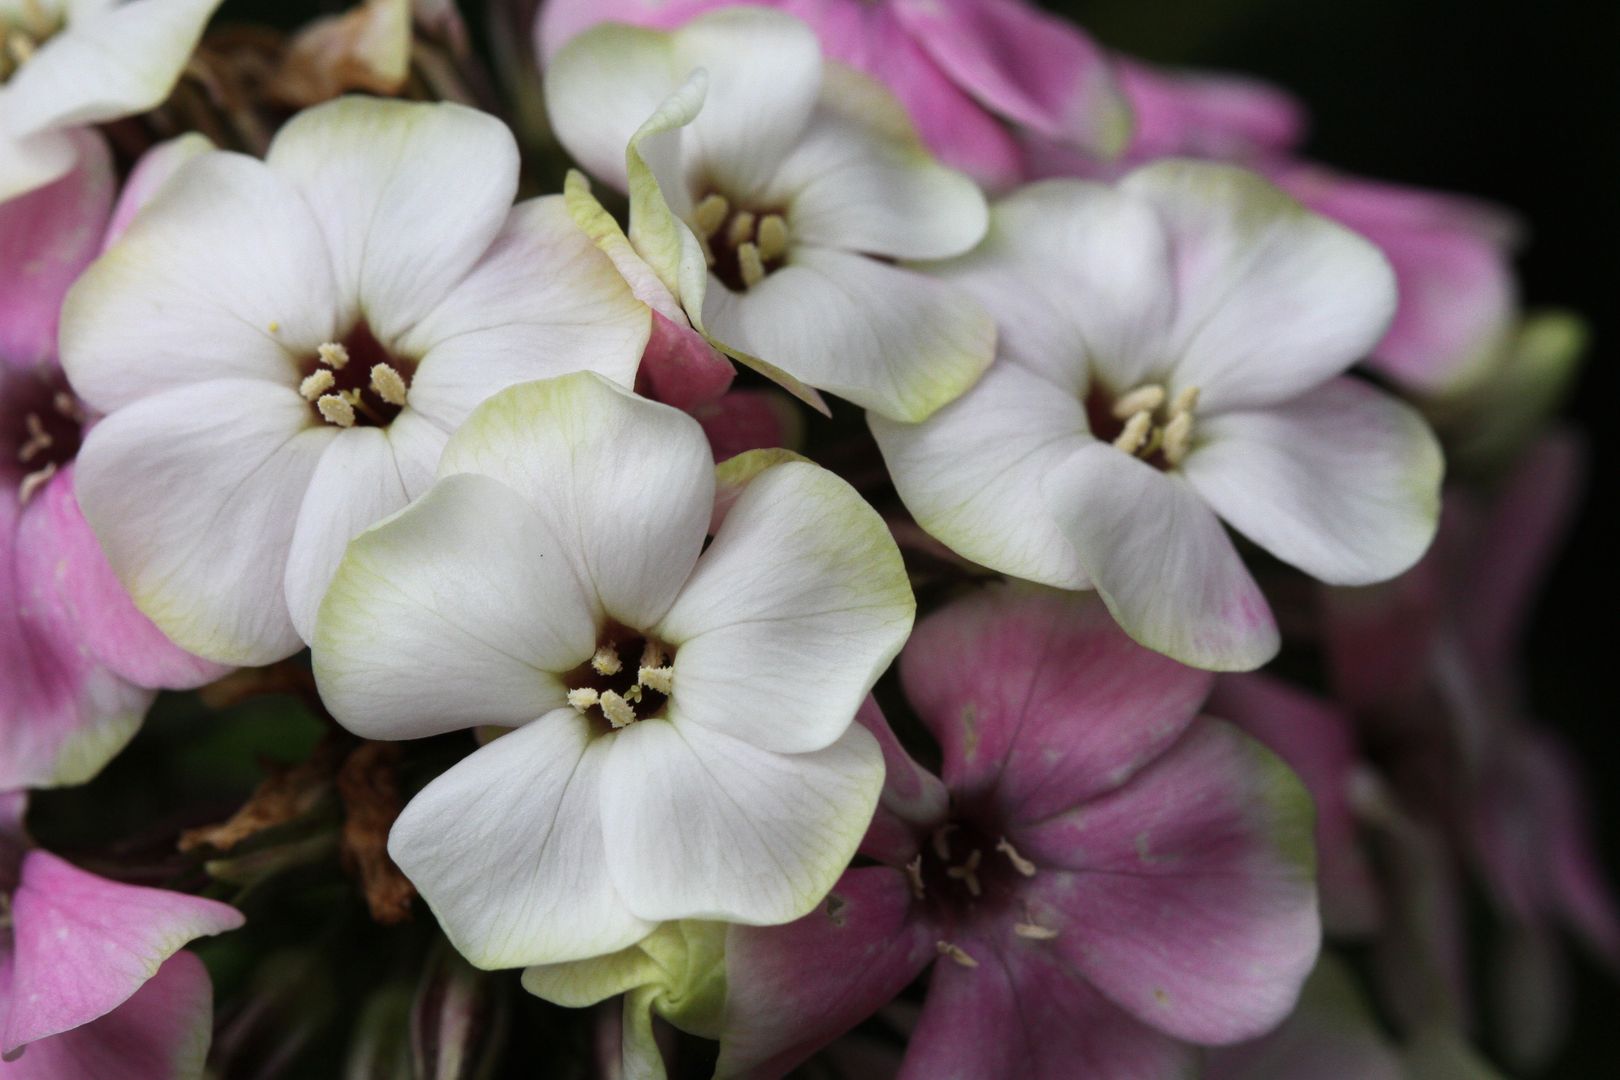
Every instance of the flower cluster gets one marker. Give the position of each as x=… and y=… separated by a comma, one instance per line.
x=786, y=506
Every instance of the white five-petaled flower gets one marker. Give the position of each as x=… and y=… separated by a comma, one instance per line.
x=773, y=193
x=683, y=743
x=283, y=348
x=69, y=64
x=1172, y=354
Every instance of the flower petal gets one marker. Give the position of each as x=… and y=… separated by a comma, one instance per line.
x=161, y=1033
x=793, y=989
x=355, y=485
x=155, y=168
x=913, y=798
x=85, y=944
x=223, y=316
x=194, y=493
x=457, y=612
x=507, y=848
x=888, y=339
x=46, y=238
x=408, y=195
x=1187, y=896
x=109, y=61
x=542, y=301
x=860, y=180
x=972, y=474
x=1040, y=701
x=1161, y=561
x=699, y=824
x=628, y=480
x=31, y=163
x=790, y=616
x=1023, y=1011
x=1272, y=299
x=1342, y=482
x=1207, y=115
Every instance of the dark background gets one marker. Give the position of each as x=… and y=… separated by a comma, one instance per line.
x=1515, y=102
x=1519, y=103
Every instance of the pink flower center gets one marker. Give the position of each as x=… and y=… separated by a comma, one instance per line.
x=41, y=426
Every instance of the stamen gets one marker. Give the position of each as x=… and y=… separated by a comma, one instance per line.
x=942, y=840
x=19, y=47
x=34, y=481
x=742, y=228
x=317, y=383
x=1021, y=864
x=618, y=711
x=606, y=661
x=333, y=355
x=751, y=266
x=1142, y=399
x=661, y=679
x=38, y=439
x=957, y=953
x=710, y=215
x=773, y=237
x=335, y=409
x=1136, y=429
x=967, y=873
x=914, y=872
x=1177, y=437
x=652, y=655
x=67, y=405
x=582, y=698
x=389, y=384
x=1034, y=931
x=1185, y=401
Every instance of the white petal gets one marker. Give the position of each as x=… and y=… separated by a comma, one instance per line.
x=223, y=275
x=1078, y=278
x=1161, y=561
x=356, y=485
x=115, y=62
x=629, y=482
x=1271, y=299
x=888, y=339
x=1342, y=482
x=793, y=612
x=418, y=444
x=194, y=494
x=973, y=473
x=860, y=180
x=543, y=301
x=454, y=613
x=507, y=849
x=408, y=195
x=31, y=163
x=701, y=825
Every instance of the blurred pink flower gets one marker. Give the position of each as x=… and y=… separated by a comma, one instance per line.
x=964, y=69
x=1100, y=879
x=78, y=663
x=91, y=979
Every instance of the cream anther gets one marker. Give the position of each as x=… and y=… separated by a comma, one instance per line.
x=34, y=481
x=1136, y=430
x=1021, y=864
x=583, y=698
x=750, y=265
x=1034, y=931
x=742, y=228
x=710, y=215
x=619, y=712
x=388, y=384
x=661, y=679
x=1177, y=437
x=333, y=355
x=968, y=872
x=773, y=237
x=914, y=875
x=956, y=953
x=336, y=409
x=1185, y=401
x=605, y=661
x=38, y=439
x=317, y=383
x=1142, y=399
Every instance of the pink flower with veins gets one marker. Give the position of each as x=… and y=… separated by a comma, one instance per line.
x=92, y=982
x=967, y=71
x=78, y=663
x=1100, y=879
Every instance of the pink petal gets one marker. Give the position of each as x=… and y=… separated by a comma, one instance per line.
x=1317, y=740
x=1039, y=697
x=161, y=1033
x=84, y=944
x=1026, y=1014
x=561, y=20
x=1378, y=638
x=743, y=420
x=1034, y=69
x=55, y=546
x=46, y=237
x=62, y=714
x=793, y=989
x=680, y=368
x=1223, y=117
x=1188, y=895
x=913, y=802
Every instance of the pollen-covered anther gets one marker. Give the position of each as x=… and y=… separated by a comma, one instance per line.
x=710, y=214
x=1034, y=931
x=750, y=265
x=1021, y=864
x=741, y=230
x=388, y=384
x=956, y=953
x=333, y=355
x=38, y=441
x=1186, y=401
x=1135, y=433
x=317, y=383
x=914, y=875
x=1177, y=438
x=968, y=872
x=34, y=481
x=336, y=409
x=1142, y=399
x=605, y=661
x=772, y=237
x=661, y=679
x=619, y=712
x=583, y=698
